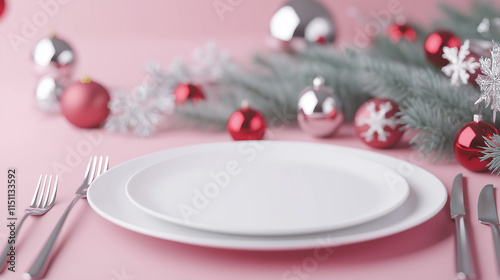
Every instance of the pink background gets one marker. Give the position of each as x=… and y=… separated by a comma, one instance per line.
x=113, y=39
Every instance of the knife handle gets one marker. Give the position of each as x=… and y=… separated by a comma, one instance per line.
x=496, y=239
x=465, y=267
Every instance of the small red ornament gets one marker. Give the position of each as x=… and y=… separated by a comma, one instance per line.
x=185, y=92
x=85, y=103
x=469, y=141
x=376, y=123
x=2, y=7
x=434, y=46
x=246, y=124
x=321, y=40
x=396, y=32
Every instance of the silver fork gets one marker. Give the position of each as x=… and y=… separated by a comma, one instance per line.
x=41, y=262
x=39, y=206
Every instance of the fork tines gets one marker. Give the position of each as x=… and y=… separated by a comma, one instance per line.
x=41, y=197
x=102, y=167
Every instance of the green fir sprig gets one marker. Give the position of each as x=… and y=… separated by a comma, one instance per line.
x=432, y=110
x=492, y=152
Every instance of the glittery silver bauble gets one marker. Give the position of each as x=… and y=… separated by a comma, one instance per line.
x=306, y=19
x=47, y=93
x=54, y=56
x=319, y=111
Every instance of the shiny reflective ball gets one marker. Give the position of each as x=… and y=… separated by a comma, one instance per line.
x=54, y=56
x=319, y=111
x=468, y=143
x=434, y=46
x=48, y=92
x=309, y=20
x=396, y=32
x=2, y=7
x=185, y=92
x=246, y=124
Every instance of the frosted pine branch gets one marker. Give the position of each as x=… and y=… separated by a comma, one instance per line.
x=492, y=151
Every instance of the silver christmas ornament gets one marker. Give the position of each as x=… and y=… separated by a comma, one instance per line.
x=47, y=93
x=306, y=19
x=54, y=56
x=319, y=111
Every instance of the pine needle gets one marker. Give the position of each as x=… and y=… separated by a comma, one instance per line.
x=492, y=152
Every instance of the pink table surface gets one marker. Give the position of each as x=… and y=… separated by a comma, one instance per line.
x=113, y=39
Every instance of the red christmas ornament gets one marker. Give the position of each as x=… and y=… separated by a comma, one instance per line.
x=2, y=7
x=376, y=123
x=85, y=103
x=469, y=141
x=185, y=92
x=398, y=31
x=434, y=46
x=246, y=124
x=321, y=40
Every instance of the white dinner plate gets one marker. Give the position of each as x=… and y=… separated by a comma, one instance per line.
x=279, y=189
x=108, y=198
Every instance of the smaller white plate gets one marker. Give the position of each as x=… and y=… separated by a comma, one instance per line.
x=279, y=190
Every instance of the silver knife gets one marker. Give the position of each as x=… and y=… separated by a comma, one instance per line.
x=487, y=214
x=465, y=266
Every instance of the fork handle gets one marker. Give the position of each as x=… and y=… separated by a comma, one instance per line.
x=3, y=257
x=39, y=266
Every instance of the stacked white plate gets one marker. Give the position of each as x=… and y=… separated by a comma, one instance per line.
x=267, y=195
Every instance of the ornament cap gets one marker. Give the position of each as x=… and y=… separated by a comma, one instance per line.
x=478, y=117
x=245, y=104
x=318, y=82
x=85, y=80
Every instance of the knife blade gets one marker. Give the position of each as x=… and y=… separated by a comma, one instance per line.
x=464, y=264
x=487, y=214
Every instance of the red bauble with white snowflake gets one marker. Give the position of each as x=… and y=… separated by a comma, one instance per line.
x=434, y=46
x=246, y=124
x=376, y=123
x=463, y=65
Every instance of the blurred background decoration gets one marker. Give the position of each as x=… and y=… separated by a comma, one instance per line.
x=379, y=51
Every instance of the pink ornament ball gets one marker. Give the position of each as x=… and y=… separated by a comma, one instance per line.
x=85, y=104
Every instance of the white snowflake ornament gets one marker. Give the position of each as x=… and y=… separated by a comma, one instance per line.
x=461, y=64
x=139, y=113
x=489, y=83
x=376, y=123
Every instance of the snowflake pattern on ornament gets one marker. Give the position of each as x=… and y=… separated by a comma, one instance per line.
x=458, y=69
x=377, y=121
x=489, y=83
